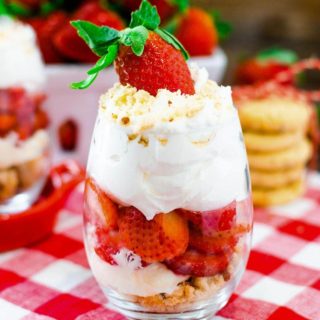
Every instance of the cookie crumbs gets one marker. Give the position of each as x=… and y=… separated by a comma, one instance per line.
x=132, y=137
x=125, y=121
x=163, y=141
x=144, y=141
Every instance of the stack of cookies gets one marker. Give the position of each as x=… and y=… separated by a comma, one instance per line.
x=275, y=134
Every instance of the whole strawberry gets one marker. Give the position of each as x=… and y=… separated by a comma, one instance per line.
x=197, y=32
x=265, y=65
x=45, y=28
x=146, y=57
x=66, y=40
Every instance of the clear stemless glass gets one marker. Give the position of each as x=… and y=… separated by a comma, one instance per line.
x=24, y=148
x=168, y=210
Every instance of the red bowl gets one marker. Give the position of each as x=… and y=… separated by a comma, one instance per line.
x=34, y=224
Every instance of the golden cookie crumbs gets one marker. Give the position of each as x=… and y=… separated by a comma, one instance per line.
x=144, y=141
x=125, y=120
x=132, y=137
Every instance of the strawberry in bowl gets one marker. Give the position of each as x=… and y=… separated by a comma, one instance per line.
x=164, y=228
x=265, y=65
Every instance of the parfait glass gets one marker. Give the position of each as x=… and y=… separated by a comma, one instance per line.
x=168, y=209
x=24, y=148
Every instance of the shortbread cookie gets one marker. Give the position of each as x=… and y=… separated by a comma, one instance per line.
x=30, y=172
x=274, y=115
x=266, y=142
x=297, y=155
x=191, y=291
x=8, y=183
x=187, y=293
x=270, y=179
x=269, y=197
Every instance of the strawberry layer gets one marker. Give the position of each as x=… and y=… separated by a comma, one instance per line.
x=170, y=151
x=21, y=64
x=121, y=244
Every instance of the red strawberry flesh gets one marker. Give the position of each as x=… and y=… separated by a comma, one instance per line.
x=160, y=67
x=196, y=264
x=214, y=220
x=164, y=237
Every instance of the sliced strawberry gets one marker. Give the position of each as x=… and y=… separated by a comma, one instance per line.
x=7, y=123
x=160, y=67
x=18, y=112
x=108, y=244
x=41, y=119
x=219, y=243
x=196, y=264
x=164, y=237
x=227, y=217
x=197, y=32
x=100, y=206
x=214, y=220
x=70, y=45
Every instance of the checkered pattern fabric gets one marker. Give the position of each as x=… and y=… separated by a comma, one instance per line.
x=52, y=280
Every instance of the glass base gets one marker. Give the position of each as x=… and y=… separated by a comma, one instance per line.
x=23, y=200
x=201, y=310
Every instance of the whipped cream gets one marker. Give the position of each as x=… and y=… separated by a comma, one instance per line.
x=128, y=277
x=21, y=63
x=14, y=152
x=170, y=151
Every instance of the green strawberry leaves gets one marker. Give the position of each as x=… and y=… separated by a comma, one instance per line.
x=13, y=9
x=223, y=27
x=97, y=38
x=182, y=5
x=85, y=83
x=4, y=10
x=105, y=61
x=146, y=16
x=135, y=38
x=283, y=56
x=105, y=41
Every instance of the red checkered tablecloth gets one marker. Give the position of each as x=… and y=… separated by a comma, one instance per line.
x=52, y=279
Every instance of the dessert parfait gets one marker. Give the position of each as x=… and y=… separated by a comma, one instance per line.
x=23, y=137
x=168, y=213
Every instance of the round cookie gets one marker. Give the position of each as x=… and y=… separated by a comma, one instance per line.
x=271, y=142
x=295, y=156
x=270, y=197
x=269, y=179
x=274, y=115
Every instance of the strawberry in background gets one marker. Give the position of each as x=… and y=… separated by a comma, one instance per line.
x=70, y=46
x=265, y=65
x=166, y=8
x=23, y=6
x=197, y=32
x=45, y=28
x=200, y=31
